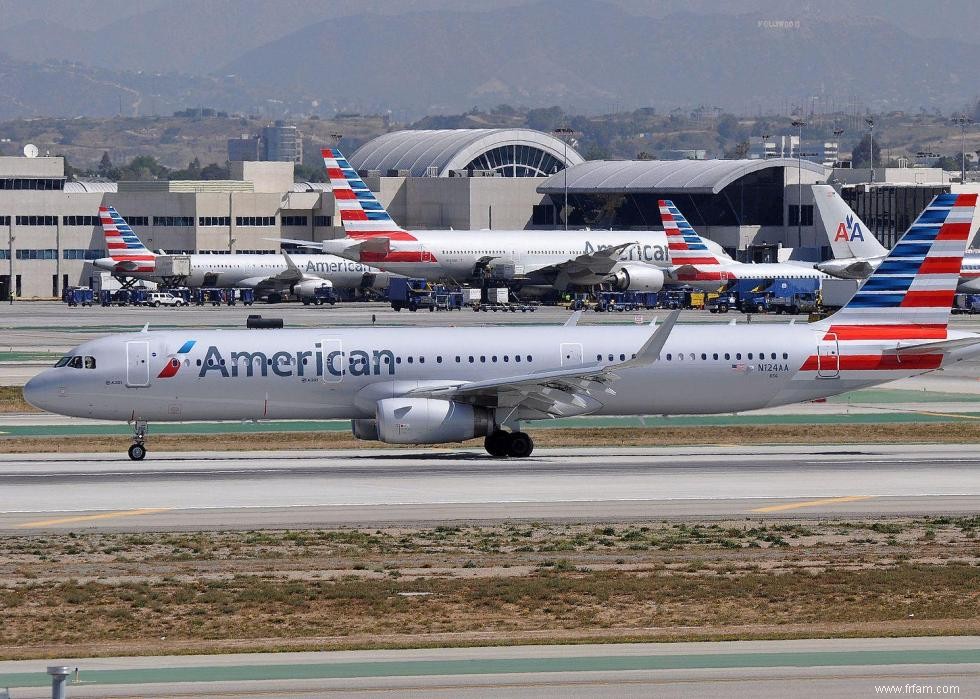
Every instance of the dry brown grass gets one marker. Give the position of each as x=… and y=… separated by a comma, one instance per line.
x=12, y=401
x=888, y=433
x=95, y=592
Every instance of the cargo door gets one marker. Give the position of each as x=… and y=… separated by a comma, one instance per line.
x=138, y=363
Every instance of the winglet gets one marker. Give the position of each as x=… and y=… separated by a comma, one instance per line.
x=650, y=350
x=573, y=319
x=290, y=264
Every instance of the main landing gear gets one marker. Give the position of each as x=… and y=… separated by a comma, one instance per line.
x=136, y=450
x=516, y=444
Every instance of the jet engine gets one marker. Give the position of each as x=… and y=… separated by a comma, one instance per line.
x=637, y=278
x=306, y=288
x=430, y=421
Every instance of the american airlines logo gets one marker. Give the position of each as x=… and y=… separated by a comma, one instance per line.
x=314, y=363
x=635, y=253
x=848, y=230
x=335, y=266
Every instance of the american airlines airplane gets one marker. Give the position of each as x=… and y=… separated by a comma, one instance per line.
x=432, y=385
x=269, y=275
x=695, y=264
x=856, y=250
x=629, y=260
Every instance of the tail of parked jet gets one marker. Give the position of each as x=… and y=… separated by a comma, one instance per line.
x=361, y=214
x=126, y=250
x=686, y=247
x=848, y=235
x=909, y=295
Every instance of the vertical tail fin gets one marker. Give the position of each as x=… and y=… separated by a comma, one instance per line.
x=361, y=214
x=686, y=247
x=122, y=244
x=848, y=235
x=910, y=294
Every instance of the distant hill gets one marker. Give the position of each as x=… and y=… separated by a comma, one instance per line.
x=417, y=57
x=593, y=56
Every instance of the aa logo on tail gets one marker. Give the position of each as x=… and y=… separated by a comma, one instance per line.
x=849, y=230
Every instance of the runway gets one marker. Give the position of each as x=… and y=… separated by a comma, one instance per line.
x=235, y=490
x=830, y=667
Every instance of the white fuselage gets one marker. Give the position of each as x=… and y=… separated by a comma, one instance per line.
x=438, y=255
x=343, y=373
x=250, y=270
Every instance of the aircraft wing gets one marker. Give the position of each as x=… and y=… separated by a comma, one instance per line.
x=565, y=392
x=586, y=266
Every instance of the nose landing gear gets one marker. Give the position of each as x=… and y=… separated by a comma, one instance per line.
x=136, y=450
x=516, y=444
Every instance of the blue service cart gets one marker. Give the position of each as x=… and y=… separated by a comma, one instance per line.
x=79, y=296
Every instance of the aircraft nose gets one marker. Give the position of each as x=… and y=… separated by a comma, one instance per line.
x=41, y=391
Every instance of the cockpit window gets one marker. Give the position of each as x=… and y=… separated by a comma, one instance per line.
x=75, y=363
x=90, y=362
x=62, y=362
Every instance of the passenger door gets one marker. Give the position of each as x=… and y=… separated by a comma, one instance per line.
x=138, y=363
x=828, y=357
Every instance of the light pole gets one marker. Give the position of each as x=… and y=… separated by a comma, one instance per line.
x=564, y=133
x=871, y=145
x=963, y=120
x=837, y=134
x=799, y=124
x=10, y=252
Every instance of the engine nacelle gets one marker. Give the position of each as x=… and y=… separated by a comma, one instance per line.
x=637, y=278
x=306, y=289
x=365, y=429
x=430, y=421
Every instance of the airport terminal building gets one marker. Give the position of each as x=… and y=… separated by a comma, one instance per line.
x=472, y=179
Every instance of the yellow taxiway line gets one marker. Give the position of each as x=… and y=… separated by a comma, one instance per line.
x=812, y=503
x=90, y=518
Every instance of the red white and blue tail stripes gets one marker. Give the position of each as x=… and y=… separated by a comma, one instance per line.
x=122, y=243
x=361, y=214
x=910, y=294
x=686, y=247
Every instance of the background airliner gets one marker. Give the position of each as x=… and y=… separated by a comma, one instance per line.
x=630, y=260
x=695, y=263
x=856, y=250
x=429, y=385
x=269, y=275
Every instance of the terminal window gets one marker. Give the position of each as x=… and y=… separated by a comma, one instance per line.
x=794, y=215
x=79, y=220
x=46, y=183
x=214, y=220
x=32, y=254
x=4, y=220
x=138, y=220
x=82, y=254
x=4, y=254
x=295, y=220
x=174, y=221
x=255, y=220
x=322, y=221
x=37, y=220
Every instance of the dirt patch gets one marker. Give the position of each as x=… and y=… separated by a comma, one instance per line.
x=12, y=401
x=102, y=593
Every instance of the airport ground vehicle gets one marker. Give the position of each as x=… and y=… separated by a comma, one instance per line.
x=412, y=294
x=799, y=302
x=163, y=298
x=320, y=295
x=79, y=296
x=966, y=303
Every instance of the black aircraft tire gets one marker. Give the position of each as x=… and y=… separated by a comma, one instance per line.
x=137, y=452
x=496, y=443
x=519, y=445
